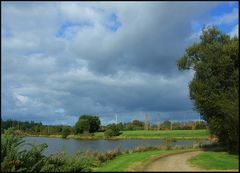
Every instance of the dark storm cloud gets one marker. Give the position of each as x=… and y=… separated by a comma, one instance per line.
x=150, y=39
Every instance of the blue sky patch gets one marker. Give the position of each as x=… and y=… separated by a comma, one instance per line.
x=223, y=8
x=6, y=32
x=60, y=110
x=66, y=25
x=113, y=24
x=219, y=11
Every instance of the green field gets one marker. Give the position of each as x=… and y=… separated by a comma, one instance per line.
x=143, y=134
x=215, y=160
x=154, y=134
x=122, y=162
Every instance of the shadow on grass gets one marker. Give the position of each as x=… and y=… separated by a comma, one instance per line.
x=217, y=148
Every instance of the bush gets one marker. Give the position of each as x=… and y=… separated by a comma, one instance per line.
x=112, y=130
x=65, y=132
x=62, y=163
x=144, y=148
x=103, y=157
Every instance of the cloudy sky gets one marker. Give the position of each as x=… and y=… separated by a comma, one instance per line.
x=64, y=59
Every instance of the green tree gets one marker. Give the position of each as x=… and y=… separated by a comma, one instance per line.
x=112, y=130
x=66, y=131
x=215, y=85
x=166, y=125
x=138, y=125
x=87, y=123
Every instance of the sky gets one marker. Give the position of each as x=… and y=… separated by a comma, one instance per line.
x=61, y=60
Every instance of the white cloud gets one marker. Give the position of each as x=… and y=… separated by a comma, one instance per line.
x=227, y=18
x=21, y=99
x=235, y=31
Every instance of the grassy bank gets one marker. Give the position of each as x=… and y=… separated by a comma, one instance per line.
x=137, y=160
x=124, y=161
x=212, y=160
x=154, y=134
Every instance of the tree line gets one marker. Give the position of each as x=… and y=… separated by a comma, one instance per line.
x=91, y=124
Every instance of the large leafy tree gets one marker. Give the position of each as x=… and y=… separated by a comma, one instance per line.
x=87, y=123
x=215, y=85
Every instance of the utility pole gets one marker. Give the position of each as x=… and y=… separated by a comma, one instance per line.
x=171, y=125
x=116, y=119
x=184, y=121
x=146, y=122
x=159, y=125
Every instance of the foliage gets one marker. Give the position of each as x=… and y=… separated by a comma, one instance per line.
x=103, y=157
x=166, y=125
x=65, y=132
x=215, y=160
x=112, y=130
x=34, y=128
x=62, y=163
x=87, y=123
x=215, y=86
x=15, y=158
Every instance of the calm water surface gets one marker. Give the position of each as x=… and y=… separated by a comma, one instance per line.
x=70, y=146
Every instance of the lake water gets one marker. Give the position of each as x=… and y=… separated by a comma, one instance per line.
x=70, y=146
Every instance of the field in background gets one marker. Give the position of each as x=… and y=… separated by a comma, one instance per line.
x=154, y=134
x=143, y=134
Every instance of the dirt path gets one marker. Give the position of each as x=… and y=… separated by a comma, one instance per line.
x=176, y=162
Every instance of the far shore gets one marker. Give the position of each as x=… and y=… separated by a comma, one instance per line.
x=100, y=135
x=118, y=137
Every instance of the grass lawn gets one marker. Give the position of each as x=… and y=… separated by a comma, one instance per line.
x=122, y=162
x=151, y=134
x=215, y=160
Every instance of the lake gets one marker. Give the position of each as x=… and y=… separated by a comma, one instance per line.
x=70, y=146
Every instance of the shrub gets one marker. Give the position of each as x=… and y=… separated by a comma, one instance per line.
x=102, y=157
x=112, y=130
x=65, y=132
x=61, y=163
x=143, y=148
